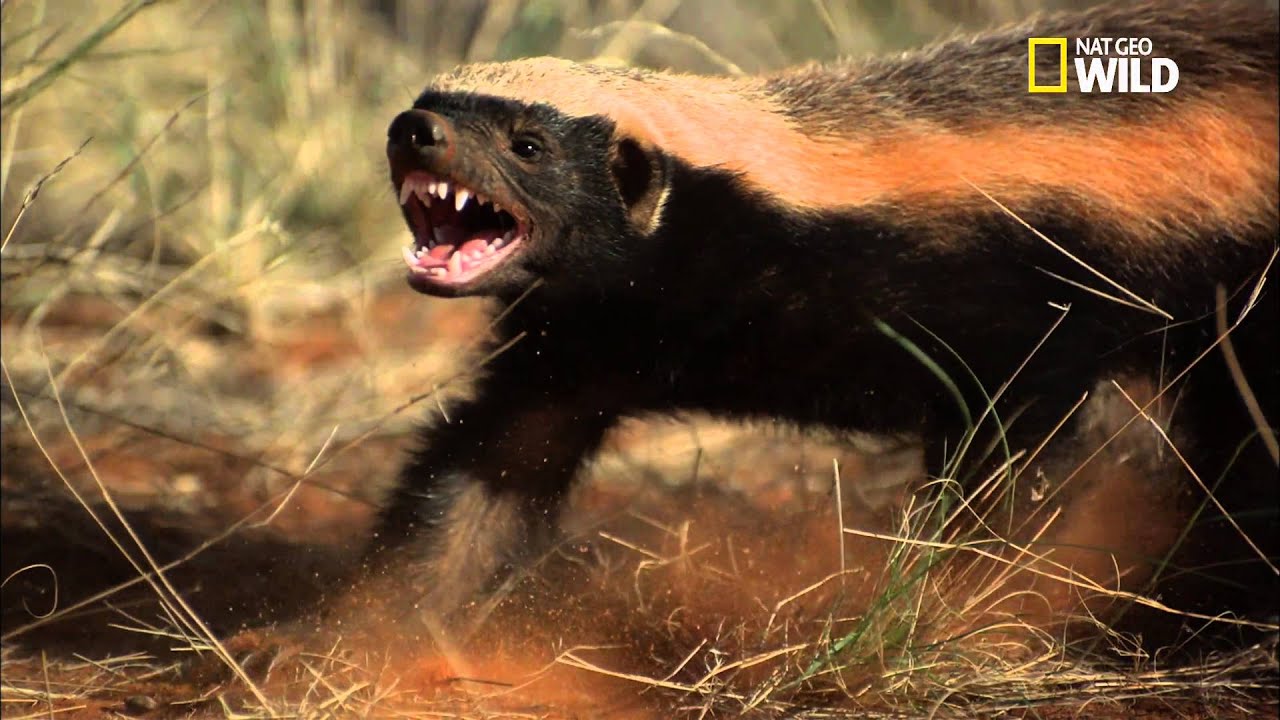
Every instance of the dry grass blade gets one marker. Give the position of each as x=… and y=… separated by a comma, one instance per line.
x=571, y=658
x=34, y=192
x=1265, y=431
x=1205, y=488
x=1136, y=300
x=53, y=601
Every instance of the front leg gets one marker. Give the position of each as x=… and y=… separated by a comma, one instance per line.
x=481, y=499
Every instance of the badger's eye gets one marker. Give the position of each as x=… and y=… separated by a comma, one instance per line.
x=526, y=147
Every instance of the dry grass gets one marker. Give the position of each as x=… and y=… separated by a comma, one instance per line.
x=203, y=321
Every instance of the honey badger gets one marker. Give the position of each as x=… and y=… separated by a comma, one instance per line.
x=877, y=246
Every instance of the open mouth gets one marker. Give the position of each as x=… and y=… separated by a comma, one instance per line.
x=458, y=233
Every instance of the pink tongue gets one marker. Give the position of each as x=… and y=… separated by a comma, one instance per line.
x=441, y=252
x=471, y=246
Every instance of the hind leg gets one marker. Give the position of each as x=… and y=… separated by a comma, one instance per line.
x=1083, y=516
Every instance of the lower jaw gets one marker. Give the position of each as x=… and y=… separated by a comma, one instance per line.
x=428, y=286
x=483, y=284
x=471, y=284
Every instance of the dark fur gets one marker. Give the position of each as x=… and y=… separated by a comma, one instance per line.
x=739, y=307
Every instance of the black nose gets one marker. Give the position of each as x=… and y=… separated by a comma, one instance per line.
x=419, y=130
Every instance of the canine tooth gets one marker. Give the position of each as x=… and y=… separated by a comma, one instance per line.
x=460, y=199
x=409, y=257
x=406, y=189
x=455, y=263
x=442, y=189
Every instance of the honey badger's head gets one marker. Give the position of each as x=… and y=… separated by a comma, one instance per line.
x=499, y=192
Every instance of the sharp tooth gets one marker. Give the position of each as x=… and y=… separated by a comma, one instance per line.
x=455, y=263
x=460, y=199
x=410, y=258
x=482, y=199
x=497, y=208
x=406, y=189
x=423, y=195
x=431, y=187
x=442, y=189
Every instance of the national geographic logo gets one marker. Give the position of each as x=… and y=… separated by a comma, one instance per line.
x=1101, y=64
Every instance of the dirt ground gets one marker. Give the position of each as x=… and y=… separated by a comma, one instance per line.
x=703, y=572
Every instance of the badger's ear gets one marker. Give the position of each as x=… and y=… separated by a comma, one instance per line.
x=640, y=174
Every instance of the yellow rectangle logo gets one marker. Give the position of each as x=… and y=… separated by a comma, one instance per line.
x=1061, y=87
